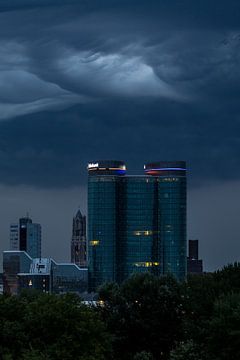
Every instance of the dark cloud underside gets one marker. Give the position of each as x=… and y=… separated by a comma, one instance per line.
x=206, y=12
x=53, y=148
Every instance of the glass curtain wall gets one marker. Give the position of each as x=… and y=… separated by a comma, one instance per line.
x=138, y=240
x=172, y=224
x=102, y=229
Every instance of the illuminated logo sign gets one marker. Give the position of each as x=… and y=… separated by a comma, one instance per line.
x=93, y=165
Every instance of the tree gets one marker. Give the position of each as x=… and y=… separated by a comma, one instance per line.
x=143, y=314
x=228, y=278
x=143, y=355
x=200, y=293
x=224, y=328
x=13, y=338
x=51, y=327
x=188, y=351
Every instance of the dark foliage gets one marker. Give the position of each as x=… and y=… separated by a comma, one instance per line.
x=38, y=326
x=144, y=314
x=146, y=318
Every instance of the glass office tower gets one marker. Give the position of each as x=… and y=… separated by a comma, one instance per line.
x=23, y=222
x=34, y=236
x=30, y=235
x=171, y=194
x=104, y=217
x=136, y=223
x=138, y=233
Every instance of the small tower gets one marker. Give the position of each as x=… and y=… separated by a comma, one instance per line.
x=78, y=242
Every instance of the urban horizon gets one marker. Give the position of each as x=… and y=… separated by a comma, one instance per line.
x=83, y=207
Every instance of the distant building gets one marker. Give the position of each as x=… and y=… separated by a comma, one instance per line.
x=14, y=262
x=34, y=237
x=136, y=223
x=79, y=241
x=26, y=236
x=194, y=265
x=14, y=237
x=20, y=272
x=67, y=277
x=37, y=277
x=1, y=283
x=23, y=222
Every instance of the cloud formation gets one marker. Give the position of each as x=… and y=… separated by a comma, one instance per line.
x=133, y=80
x=74, y=57
x=78, y=81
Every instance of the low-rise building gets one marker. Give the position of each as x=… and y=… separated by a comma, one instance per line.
x=20, y=272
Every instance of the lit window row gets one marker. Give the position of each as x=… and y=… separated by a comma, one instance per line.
x=145, y=233
x=146, y=264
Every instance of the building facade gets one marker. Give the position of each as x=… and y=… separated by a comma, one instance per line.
x=26, y=236
x=104, y=220
x=14, y=237
x=34, y=239
x=136, y=223
x=194, y=264
x=170, y=177
x=14, y=262
x=79, y=240
x=69, y=278
x=1, y=284
x=37, y=277
x=20, y=271
x=23, y=223
x=137, y=227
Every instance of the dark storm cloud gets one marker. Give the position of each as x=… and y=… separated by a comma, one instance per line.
x=53, y=148
x=203, y=12
x=133, y=80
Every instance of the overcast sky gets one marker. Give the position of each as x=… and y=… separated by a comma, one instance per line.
x=137, y=81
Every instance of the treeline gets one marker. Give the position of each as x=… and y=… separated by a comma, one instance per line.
x=146, y=318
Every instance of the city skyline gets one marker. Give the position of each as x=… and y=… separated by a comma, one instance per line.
x=138, y=81
x=62, y=253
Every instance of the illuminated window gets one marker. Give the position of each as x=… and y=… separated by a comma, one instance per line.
x=137, y=233
x=148, y=232
x=94, y=242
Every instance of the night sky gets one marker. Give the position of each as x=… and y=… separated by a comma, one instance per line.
x=138, y=81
